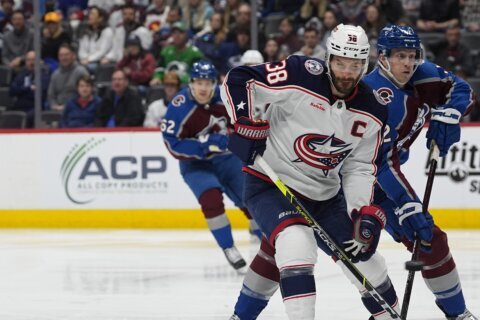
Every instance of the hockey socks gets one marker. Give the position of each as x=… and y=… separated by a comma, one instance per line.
x=296, y=254
x=250, y=304
x=388, y=293
x=213, y=209
x=441, y=276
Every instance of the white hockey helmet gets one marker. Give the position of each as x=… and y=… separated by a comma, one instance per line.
x=349, y=42
x=251, y=57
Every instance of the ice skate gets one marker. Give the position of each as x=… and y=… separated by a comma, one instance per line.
x=467, y=315
x=235, y=259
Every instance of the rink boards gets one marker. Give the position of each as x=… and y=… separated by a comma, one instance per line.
x=127, y=179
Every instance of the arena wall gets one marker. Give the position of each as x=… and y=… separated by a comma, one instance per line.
x=127, y=179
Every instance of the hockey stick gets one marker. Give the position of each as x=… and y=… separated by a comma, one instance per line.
x=414, y=264
x=336, y=249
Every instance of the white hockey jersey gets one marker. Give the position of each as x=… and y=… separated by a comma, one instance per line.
x=317, y=142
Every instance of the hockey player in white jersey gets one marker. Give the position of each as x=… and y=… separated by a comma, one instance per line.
x=322, y=123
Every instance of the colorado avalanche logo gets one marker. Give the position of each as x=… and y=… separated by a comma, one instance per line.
x=386, y=94
x=178, y=100
x=314, y=67
x=322, y=152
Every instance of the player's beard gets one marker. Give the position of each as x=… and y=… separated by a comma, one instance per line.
x=344, y=85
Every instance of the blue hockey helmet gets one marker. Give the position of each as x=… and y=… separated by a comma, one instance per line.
x=396, y=37
x=203, y=70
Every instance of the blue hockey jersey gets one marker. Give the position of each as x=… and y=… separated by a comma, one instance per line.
x=314, y=136
x=408, y=111
x=187, y=124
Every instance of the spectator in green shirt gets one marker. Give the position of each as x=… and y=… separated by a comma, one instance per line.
x=178, y=56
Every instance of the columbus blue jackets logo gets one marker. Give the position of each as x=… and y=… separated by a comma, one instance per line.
x=314, y=67
x=320, y=151
x=386, y=94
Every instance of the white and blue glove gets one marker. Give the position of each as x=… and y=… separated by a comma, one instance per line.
x=415, y=222
x=214, y=142
x=444, y=128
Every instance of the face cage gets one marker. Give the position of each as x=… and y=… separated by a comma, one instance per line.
x=418, y=61
x=327, y=61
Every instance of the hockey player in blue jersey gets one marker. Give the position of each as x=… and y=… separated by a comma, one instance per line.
x=322, y=122
x=415, y=91
x=195, y=130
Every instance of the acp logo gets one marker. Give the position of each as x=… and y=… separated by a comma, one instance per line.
x=72, y=160
x=85, y=175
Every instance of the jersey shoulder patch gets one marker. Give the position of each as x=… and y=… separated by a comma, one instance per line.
x=384, y=95
x=178, y=100
x=314, y=67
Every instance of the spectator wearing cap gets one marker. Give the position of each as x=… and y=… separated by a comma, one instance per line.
x=311, y=48
x=156, y=15
x=6, y=12
x=17, y=42
x=96, y=41
x=121, y=105
x=137, y=64
x=161, y=39
x=197, y=15
x=63, y=84
x=178, y=56
x=53, y=36
x=211, y=37
x=157, y=109
x=80, y=110
x=129, y=26
x=23, y=88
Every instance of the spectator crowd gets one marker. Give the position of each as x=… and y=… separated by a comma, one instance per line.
x=118, y=63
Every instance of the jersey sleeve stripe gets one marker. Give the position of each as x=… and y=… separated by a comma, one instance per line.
x=230, y=100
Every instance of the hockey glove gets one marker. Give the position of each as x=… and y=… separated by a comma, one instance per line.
x=249, y=139
x=444, y=128
x=214, y=142
x=415, y=222
x=367, y=225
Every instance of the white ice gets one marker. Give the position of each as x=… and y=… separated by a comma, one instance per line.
x=158, y=274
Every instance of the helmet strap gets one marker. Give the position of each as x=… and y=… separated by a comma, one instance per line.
x=385, y=66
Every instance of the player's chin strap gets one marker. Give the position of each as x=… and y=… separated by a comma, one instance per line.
x=335, y=248
x=387, y=69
